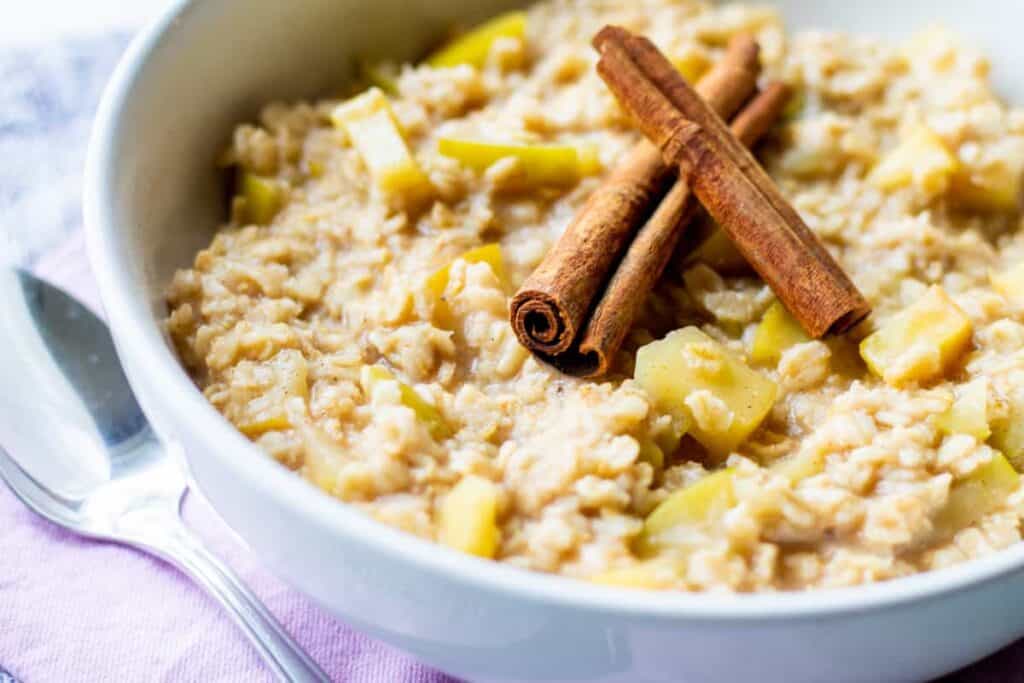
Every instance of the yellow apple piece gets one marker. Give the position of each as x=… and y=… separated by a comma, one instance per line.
x=468, y=519
x=921, y=159
x=263, y=197
x=777, y=331
x=1008, y=432
x=799, y=466
x=978, y=494
x=994, y=189
x=969, y=412
x=651, y=574
x=437, y=283
x=692, y=64
x=429, y=415
x=672, y=370
x=701, y=503
x=719, y=253
x=919, y=343
x=372, y=128
x=474, y=46
x=538, y=165
x=1009, y=283
x=322, y=460
x=488, y=253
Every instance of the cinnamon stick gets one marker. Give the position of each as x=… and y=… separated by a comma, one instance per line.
x=551, y=307
x=653, y=246
x=730, y=184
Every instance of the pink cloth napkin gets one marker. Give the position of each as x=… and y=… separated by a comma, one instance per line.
x=74, y=611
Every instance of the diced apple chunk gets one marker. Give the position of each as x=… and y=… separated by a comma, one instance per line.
x=778, y=331
x=468, y=520
x=488, y=253
x=385, y=154
x=978, y=494
x=919, y=343
x=437, y=283
x=426, y=413
x=474, y=47
x=719, y=253
x=323, y=459
x=799, y=465
x=370, y=124
x=921, y=159
x=538, y=165
x=652, y=574
x=688, y=370
x=1009, y=283
x=692, y=64
x=969, y=412
x=254, y=427
x=263, y=197
x=1008, y=431
x=371, y=101
x=997, y=188
x=701, y=503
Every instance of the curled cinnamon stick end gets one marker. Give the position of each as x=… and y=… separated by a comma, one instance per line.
x=731, y=185
x=654, y=245
x=551, y=308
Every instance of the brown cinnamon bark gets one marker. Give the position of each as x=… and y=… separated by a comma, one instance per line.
x=552, y=306
x=649, y=252
x=730, y=184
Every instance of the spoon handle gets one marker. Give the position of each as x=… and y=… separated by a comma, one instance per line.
x=179, y=546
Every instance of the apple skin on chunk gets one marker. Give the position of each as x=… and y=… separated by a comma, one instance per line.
x=537, y=166
x=474, y=47
x=425, y=412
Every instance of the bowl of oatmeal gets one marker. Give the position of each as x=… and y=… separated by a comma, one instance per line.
x=331, y=343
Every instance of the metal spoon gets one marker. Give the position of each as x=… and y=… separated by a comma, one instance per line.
x=89, y=461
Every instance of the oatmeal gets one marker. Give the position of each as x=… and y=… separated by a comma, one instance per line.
x=353, y=317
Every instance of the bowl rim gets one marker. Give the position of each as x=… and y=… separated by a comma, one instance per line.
x=151, y=363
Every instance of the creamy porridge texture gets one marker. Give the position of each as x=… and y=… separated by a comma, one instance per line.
x=353, y=318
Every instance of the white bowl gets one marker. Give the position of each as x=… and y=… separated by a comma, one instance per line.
x=152, y=199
